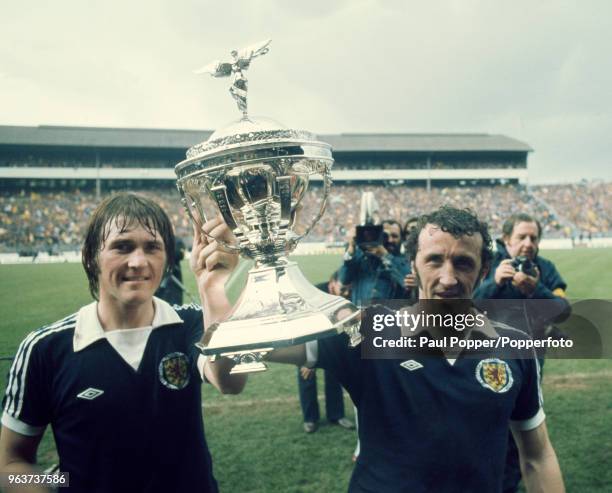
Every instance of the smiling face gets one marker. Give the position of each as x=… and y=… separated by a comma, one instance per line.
x=131, y=265
x=447, y=267
x=524, y=240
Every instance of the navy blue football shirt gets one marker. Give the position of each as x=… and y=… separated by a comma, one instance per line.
x=116, y=428
x=432, y=424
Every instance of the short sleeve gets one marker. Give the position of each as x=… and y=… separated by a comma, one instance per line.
x=26, y=404
x=528, y=413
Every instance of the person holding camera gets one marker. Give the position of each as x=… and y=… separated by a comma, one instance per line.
x=374, y=265
x=519, y=273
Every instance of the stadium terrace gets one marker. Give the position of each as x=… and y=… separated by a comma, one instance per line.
x=53, y=176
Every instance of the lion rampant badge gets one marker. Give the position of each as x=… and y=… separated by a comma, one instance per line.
x=174, y=371
x=494, y=374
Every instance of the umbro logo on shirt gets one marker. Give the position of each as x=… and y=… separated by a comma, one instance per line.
x=90, y=394
x=411, y=365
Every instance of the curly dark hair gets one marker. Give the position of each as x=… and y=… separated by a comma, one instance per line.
x=457, y=222
x=126, y=210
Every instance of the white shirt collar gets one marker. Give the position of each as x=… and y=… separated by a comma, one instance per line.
x=88, y=328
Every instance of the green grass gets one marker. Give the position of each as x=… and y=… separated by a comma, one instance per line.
x=256, y=438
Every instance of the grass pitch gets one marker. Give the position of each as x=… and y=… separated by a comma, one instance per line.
x=256, y=438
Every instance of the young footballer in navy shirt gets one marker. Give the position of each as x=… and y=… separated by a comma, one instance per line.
x=120, y=380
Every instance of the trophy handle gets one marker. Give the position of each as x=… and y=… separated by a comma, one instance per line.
x=220, y=195
x=327, y=183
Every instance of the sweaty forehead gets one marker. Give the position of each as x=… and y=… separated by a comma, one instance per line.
x=433, y=240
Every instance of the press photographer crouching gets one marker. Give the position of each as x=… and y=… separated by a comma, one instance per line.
x=373, y=263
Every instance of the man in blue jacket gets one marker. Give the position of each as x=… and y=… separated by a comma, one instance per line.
x=377, y=271
x=521, y=238
x=518, y=273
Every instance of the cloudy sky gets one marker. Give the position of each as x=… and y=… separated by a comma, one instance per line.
x=539, y=71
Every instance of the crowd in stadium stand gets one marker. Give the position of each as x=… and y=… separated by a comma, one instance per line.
x=494, y=204
x=115, y=161
x=399, y=164
x=55, y=221
x=88, y=161
x=587, y=205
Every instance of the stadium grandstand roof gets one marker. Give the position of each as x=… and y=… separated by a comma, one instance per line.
x=48, y=135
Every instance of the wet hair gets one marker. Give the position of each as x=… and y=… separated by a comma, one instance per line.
x=125, y=210
x=457, y=222
x=514, y=219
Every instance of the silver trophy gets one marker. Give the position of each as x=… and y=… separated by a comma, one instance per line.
x=258, y=175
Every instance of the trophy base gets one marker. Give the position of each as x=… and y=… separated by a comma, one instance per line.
x=278, y=308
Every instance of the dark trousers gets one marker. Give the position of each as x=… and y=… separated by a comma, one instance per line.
x=334, y=401
x=512, y=471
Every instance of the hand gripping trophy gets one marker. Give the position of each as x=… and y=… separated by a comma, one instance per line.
x=257, y=174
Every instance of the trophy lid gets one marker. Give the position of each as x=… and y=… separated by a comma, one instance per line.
x=248, y=132
x=249, y=137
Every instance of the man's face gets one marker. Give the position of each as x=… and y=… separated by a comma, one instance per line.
x=394, y=238
x=447, y=267
x=131, y=265
x=523, y=240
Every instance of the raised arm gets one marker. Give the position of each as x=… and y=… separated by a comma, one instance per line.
x=212, y=266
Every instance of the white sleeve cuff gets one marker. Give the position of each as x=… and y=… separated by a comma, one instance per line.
x=21, y=427
x=201, y=365
x=312, y=354
x=529, y=424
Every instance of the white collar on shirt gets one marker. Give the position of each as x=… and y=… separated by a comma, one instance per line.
x=88, y=328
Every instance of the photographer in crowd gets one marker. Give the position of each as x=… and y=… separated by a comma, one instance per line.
x=519, y=273
x=374, y=265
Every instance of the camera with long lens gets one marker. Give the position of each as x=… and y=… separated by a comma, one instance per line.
x=524, y=264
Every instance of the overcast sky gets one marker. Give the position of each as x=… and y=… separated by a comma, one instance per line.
x=539, y=71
